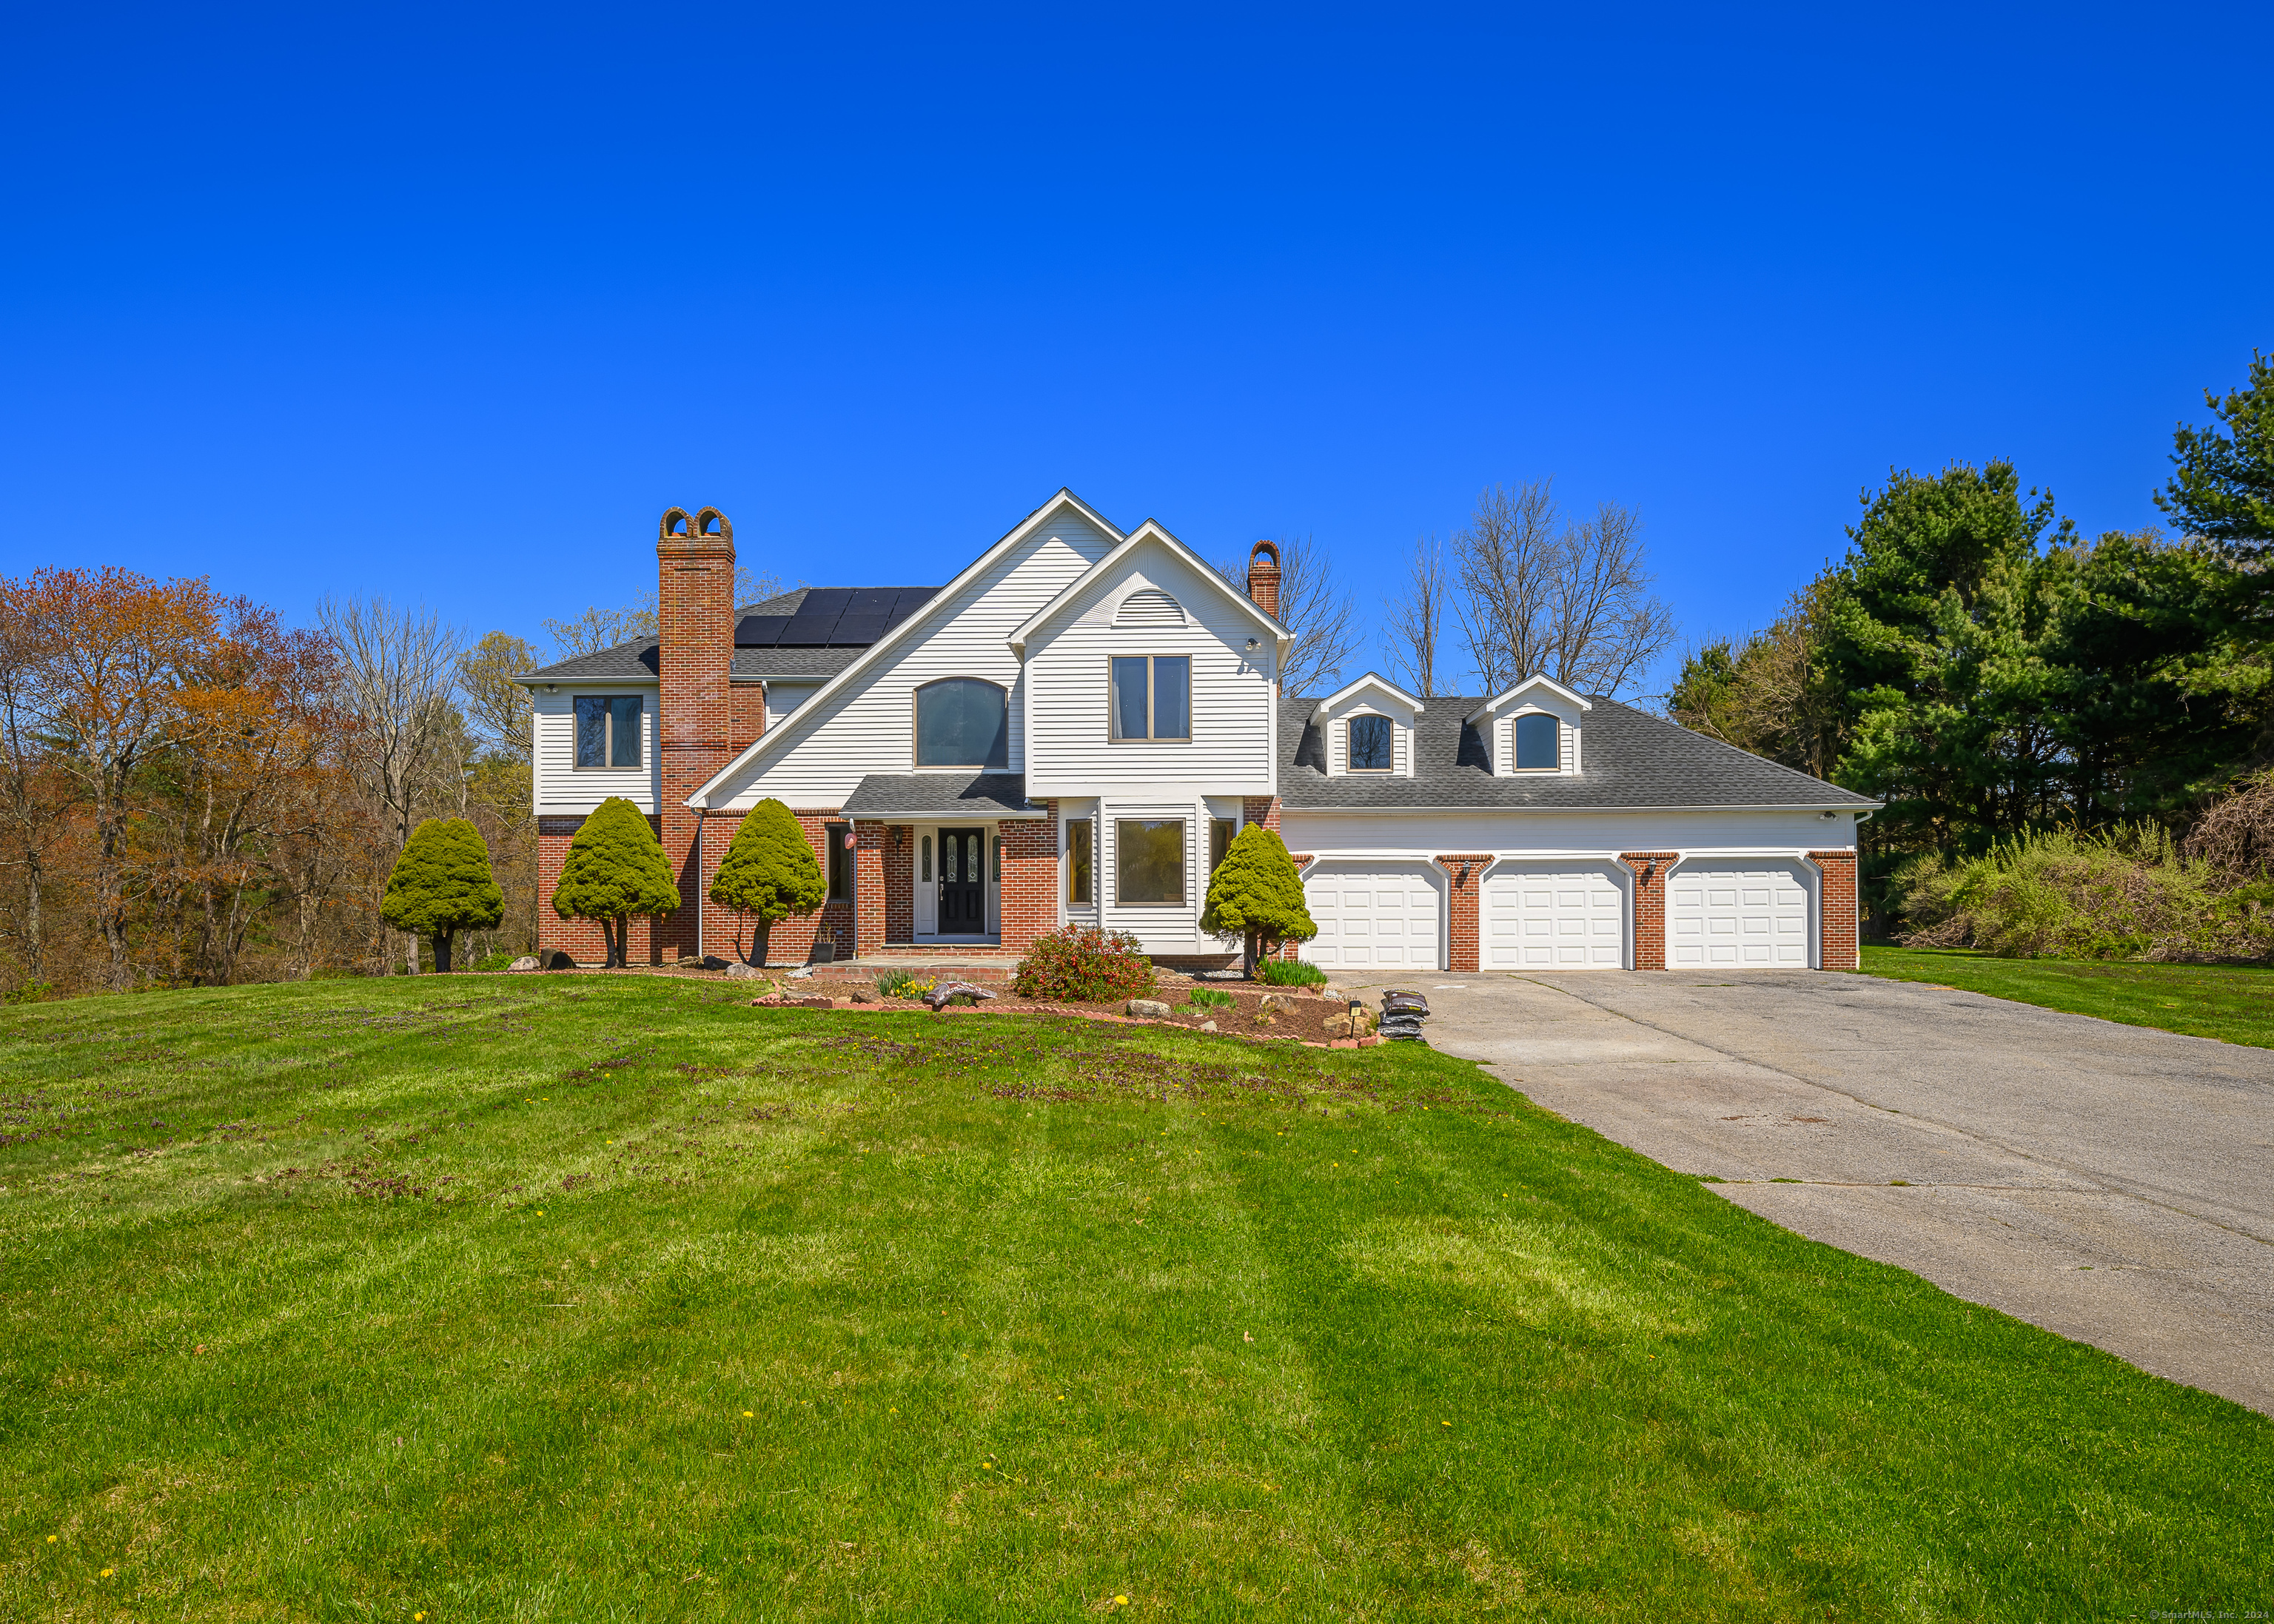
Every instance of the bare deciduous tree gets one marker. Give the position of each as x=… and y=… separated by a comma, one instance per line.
x=1538, y=596
x=597, y=629
x=1417, y=618
x=397, y=668
x=1314, y=606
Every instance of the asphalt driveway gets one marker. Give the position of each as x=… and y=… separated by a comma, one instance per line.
x=2112, y=1183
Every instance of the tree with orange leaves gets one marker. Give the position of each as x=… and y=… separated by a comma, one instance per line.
x=108, y=698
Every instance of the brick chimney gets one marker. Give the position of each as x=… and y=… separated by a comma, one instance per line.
x=694, y=618
x=1263, y=577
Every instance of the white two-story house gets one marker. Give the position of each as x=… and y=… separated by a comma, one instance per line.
x=1073, y=728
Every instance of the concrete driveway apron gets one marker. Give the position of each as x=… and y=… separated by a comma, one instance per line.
x=2112, y=1184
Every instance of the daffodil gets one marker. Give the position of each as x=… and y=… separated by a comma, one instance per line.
x=748, y=1414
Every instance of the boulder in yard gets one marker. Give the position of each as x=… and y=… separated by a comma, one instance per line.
x=946, y=992
x=744, y=973
x=527, y=961
x=1146, y=1009
x=560, y=961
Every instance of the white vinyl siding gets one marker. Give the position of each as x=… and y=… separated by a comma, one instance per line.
x=833, y=742
x=1373, y=918
x=563, y=789
x=1554, y=916
x=1234, y=700
x=1727, y=913
x=784, y=698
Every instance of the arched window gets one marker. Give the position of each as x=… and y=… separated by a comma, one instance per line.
x=1538, y=744
x=962, y=722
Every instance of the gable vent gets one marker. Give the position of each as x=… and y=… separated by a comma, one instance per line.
x=1150, y=606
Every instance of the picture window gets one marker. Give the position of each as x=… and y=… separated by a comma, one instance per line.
x=1081, y=862
x=1371, y=742
x=962, y=722
x=1148, y=862
x=841, y=862
x=1538, y=744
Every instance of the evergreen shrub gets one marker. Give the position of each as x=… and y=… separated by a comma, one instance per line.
x=1080, y=964
x=1256, y=897
x=616, y=868
x=769, y=873
x=442, y=884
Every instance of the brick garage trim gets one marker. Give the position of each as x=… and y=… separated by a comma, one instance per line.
x=1649, y=869
x=1836, y=920
x=1463, y=879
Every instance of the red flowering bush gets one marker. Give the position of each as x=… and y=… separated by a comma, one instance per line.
x=1082, y=964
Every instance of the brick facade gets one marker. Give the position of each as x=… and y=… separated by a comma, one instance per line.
x=1464, y=876
x=1836, y=912
x=1649, y=905
x=1029, y=899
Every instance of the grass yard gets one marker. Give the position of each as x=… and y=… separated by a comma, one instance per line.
x=2233, y=1003
x=613, y=1298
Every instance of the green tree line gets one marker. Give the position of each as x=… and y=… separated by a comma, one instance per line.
x=1990, y=672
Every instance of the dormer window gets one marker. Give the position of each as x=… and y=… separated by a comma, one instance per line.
x=1370, y=743
x=1539, y=743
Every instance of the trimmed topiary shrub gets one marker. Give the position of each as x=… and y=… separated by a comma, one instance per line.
x=615, y=869
x=442, y=884
x=1256, y=897
x=769, y=873
x=1080, y=964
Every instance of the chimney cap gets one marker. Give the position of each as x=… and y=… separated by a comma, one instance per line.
x=1261, y=548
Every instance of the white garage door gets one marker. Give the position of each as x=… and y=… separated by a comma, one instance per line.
x=1547, y=916
x=1738, y=914
x=1369, y=917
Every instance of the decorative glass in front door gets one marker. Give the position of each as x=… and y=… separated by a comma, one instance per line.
x=962, y=883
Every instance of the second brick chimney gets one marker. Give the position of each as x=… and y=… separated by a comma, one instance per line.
x=1263, y=577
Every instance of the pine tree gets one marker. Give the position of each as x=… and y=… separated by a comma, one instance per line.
x=769, y=872
x=1256, y=894
x=615, y=869
x=442, y=884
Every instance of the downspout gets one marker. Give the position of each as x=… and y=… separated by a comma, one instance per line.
x=700, y=813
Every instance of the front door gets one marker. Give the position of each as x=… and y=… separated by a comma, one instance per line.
x=963, y=881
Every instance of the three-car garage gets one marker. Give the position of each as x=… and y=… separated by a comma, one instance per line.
x=1722, y=912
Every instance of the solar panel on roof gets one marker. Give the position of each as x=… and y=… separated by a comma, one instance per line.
x=872, y=600
x=861, y=628
x=759, y=631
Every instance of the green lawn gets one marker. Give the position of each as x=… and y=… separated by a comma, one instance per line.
x=2235, y=1004
x=614, y=1298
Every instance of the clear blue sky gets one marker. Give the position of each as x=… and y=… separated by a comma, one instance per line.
x=451, y=302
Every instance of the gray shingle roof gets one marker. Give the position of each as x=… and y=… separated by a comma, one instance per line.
x=635, y=661
x=1627, y=758
x=946, y=794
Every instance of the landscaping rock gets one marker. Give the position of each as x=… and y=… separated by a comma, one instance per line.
x=1348, y=1025
x=1276, y=1001
x=560, y=961
x=711, y=961
x=939, y=996
x=743, y=973
x=1146, y=1009
x=527, y=961
x=1208, y=1025
x=862, y=996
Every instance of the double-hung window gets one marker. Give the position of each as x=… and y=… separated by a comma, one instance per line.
x=1152, y=696
x=609, y=730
